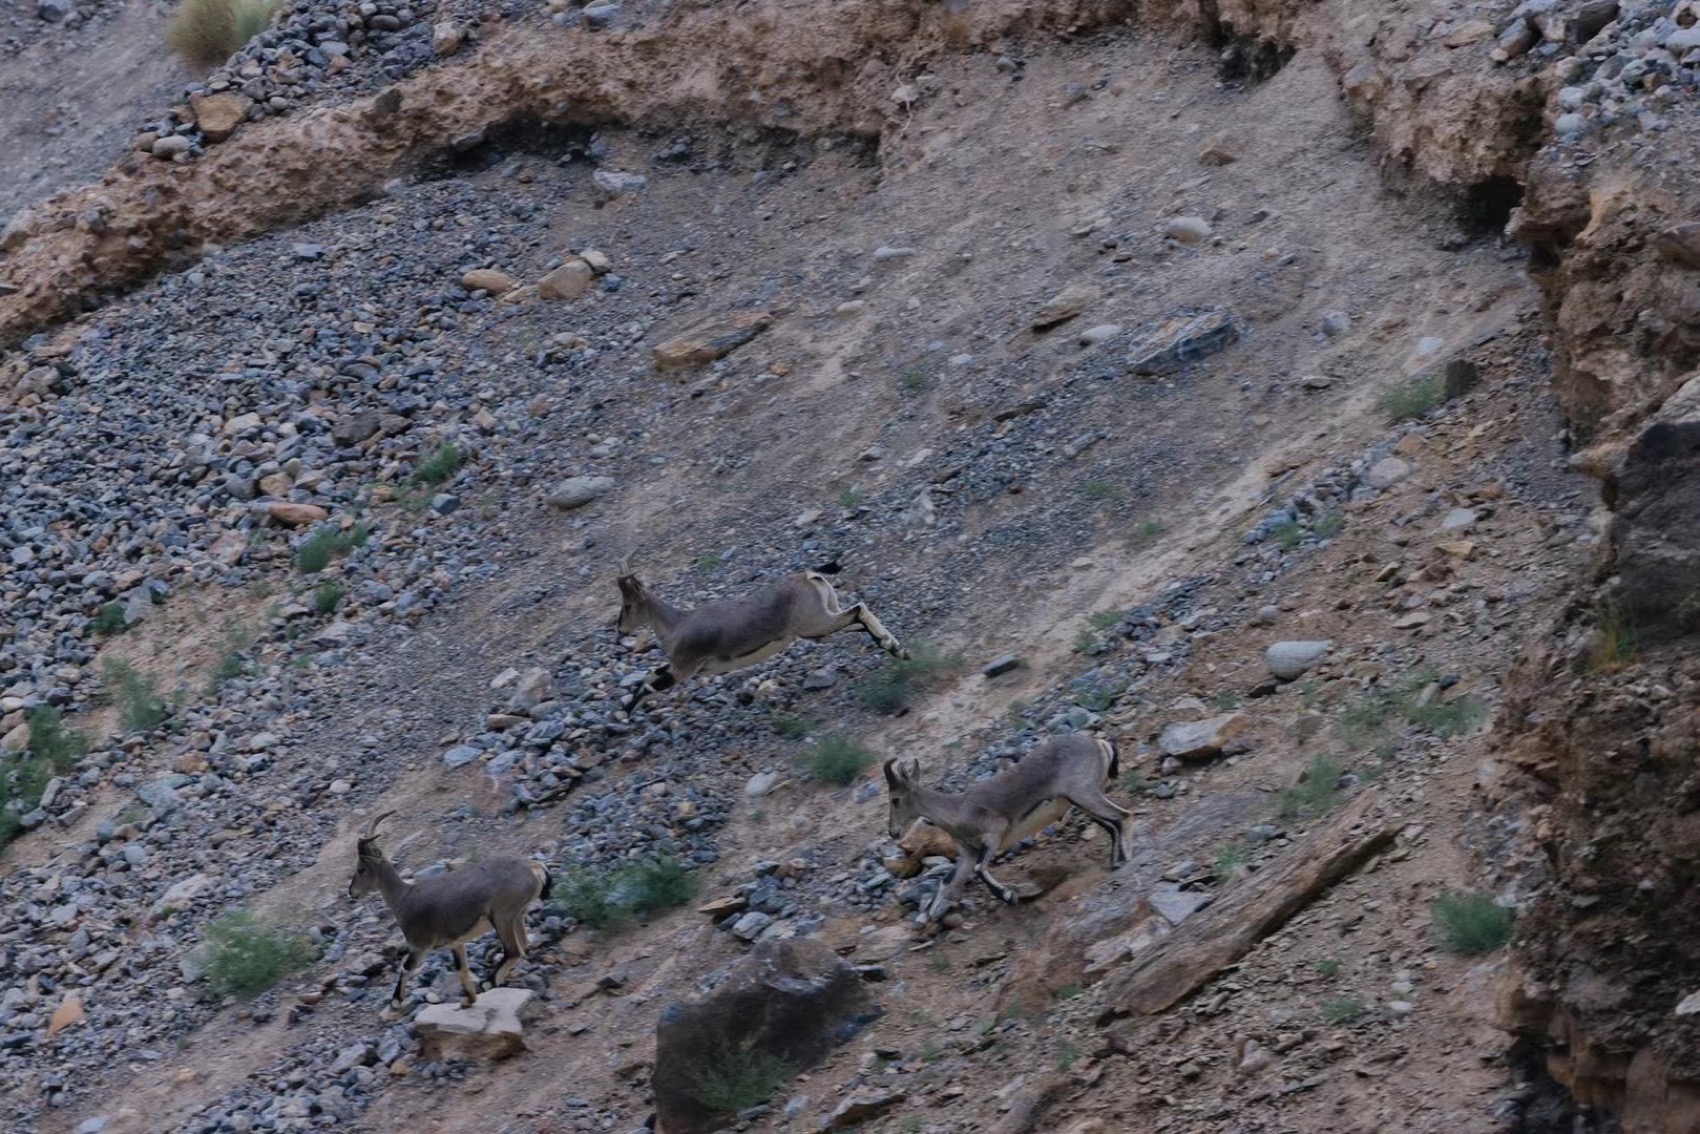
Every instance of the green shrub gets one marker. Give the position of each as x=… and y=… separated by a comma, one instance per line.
x=654, y=885
x=1095, y=694
x=836, y=759
x=609, y=899
x=1230, y=858
x=850, y=499
x=1411, y=400
x=734, y=1080
x=1471, y=924
x=587, y=896
x=912, y=382
x=1615, y=643
x=1106, y=619
x=1101, y=490
x=109, y=620
x=891, y=688
x=208, y=32
x=1144, y=534
x=1287, y=534
x=318, y=549
x=140, y=707
x=246, y=956
x=1364, y=722
x=790, y=727
x=327, y=597
x=1316, y=793
x=439, y=466
x=50, y=740
x=1328, y=967
x=1343, y=1009
x=1133, y=781
x=1328, y=525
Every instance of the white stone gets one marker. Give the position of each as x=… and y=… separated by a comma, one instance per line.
x=1387, y=472
x=1289, y=660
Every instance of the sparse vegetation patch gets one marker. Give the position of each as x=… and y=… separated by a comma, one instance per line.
x=246, y=956
x=609, y=899
x=736, y=1080
x=891, y=688
x=439, y=467
x=1316, y=793
x=1411, y=400
x=1471, y=924
x=837, y=759
x=140, y=707
x=207, y=32
x=326, y=544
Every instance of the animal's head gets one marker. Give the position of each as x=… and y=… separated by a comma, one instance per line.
x=631, y=604
x=900, y=781
x=631, y=598
x=367, y=860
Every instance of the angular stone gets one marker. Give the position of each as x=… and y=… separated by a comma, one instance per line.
x=1387, y=472
x=999, y=666
x=882, y=944
x=1288, y=661
x=612, y=183
x=1473, y=31
x=569, y=281
x=488, y=279
x=69, y=1013
x=1187, y=230
x=1218, y=151
x=577, y=491
x=860, y=1108
x=181, y=895
x=785, y=1005
x=293, y=515
x=1680, y=244
x=447, y=38
x=1183, y=340
x=708, y=339
x=1200, y=740
x=1064, y=305
x=218, y=115
x=1176, y=906
x=1459, y=520
x=353, y=428
x=493, y=1028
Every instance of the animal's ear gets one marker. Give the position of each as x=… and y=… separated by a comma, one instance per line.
x=912, y=771
x=892, y=776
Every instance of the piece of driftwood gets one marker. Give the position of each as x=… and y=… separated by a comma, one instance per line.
x=1221, y=934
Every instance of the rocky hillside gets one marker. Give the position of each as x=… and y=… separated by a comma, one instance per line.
x=1301, y=398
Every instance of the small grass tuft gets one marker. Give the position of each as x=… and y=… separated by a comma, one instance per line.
x=1615, y=643
x=790, y=727
x=850, y=499
x=912, y=382
x=1067, y=1053
x=837, y=759
x=1144, y=535
x=1328, y=967
x=439, y=467
x=1227, y=701
x=109, y=620
x=318, y=549
x=1096, y=694
x=708, y=561
x=53, y=741
x=654, y=885
x=1287, y=535
x=246, y=956
x=1471, y=924
x=1106, y=619
x=1133, y=781
x=140, y=707
x=610, y=899
x=327, y=597
x=1102, y=491
x=1343, y=1009
x=1316, y=793
x=207, y=32
x=733, y=1081
x=1411, y=400
x=1229, y=859
x=890, y=689
x=1328, y=525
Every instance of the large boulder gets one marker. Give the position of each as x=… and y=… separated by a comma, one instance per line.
x=1201, y=740
x=777, y=1011
x=1656, y=530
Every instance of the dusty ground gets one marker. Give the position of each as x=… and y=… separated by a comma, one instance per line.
x=918, y=354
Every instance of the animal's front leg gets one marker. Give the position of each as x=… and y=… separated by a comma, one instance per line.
x=464, y=971
x=409, y=965
x=661, y=679
x=951, y=892
x=1005, y=894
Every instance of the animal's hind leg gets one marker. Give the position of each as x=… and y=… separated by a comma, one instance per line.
x=513, y=950
x=464, y=971
x=1115, y=819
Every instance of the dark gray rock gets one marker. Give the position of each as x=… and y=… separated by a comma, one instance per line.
x=1183, y=340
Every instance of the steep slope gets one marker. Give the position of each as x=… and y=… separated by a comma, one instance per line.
x=969, y=258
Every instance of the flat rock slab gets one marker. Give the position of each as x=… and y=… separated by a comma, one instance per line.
x=491, y=1029
x=1288, y=661
x=709, y=339
x=1183, y=340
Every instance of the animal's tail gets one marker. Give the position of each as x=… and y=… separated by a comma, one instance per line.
x=548, y=883
x=1115, y=759
x=830, y=567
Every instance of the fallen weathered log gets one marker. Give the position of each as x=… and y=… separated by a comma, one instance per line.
x=1216, y=937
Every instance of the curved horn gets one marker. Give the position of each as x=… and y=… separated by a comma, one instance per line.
x=626, y=563
x=372, y=827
